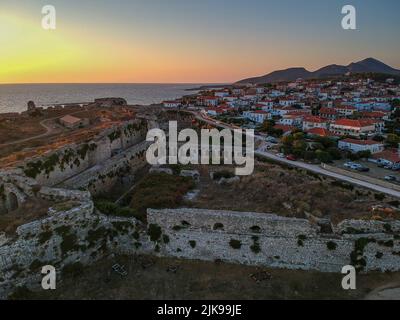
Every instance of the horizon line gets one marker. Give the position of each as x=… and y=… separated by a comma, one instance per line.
x=144, y=83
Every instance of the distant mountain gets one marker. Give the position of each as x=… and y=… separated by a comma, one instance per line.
x=369, y=65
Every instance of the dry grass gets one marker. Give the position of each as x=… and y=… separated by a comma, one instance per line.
x=291, y=193
x=148, y=278
x=29, y=211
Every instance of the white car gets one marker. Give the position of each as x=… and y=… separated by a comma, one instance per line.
x=280, y=155
x=349, y=164
x=355, y=166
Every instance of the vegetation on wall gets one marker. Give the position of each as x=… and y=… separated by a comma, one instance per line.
x=154, y=231
x=115, y=135
x=48, y=164
x=111, y=209
x=255, y=247
x=2, y=193
x=235, y=244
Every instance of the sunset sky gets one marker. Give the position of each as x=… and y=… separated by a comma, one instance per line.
x=188, y=41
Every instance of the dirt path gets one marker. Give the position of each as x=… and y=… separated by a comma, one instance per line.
x=387, y=292
x=49, y=131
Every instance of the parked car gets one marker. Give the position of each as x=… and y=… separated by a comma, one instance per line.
x=382, y=163
x=349, y=164
x=271, y=140
x=355, y=166
x=362, y=169
x=280, y=155
x=390, y=178
x=396, y=167
x=291, y=157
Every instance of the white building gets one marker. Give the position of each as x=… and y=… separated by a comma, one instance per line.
x=355, y=128
x=257, y=116
x=355, y=146
x=172, y=104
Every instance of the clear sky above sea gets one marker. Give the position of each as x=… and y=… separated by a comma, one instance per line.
x=188, y=41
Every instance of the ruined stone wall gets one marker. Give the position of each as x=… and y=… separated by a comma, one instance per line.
x=57, y=166
x=74, y=234
x=68, y=238
x=274, y=241
x=103, y=176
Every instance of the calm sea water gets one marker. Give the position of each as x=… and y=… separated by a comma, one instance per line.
x=14, y=97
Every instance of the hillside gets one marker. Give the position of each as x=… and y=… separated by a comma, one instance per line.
x=369, y=65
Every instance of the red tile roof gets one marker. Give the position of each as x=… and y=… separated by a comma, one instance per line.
x=353, y=123
x=314, y=119
x=389, y=155
x=285, y=128
x=328, y=111
x=320, y=132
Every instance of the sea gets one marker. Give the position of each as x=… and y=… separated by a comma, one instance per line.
x=14, y=97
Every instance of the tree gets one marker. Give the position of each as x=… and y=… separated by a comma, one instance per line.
x=298, y=136
x=288, y=140
x=393, y=140
x=378, y=138
x=396, y=103
x=310, y=156
x=323, y=156
x=268, y=126
x=396, y=113
x=364, y=154
x=335, y=153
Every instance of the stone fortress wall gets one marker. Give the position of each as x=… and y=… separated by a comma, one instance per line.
x=58, y=166
x=71, y=237
x=274, y=241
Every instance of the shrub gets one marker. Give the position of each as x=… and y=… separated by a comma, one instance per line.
x=218, y=226
x=380, y=196
x=111, y=209
x=255, y=229
x=387, y=227
x=235, y=244
x=389, y=243
x=331, y=245
x=192, y=243
x=154, y=232
x=45, y=236
x=69, y=243
x=379, y=255
x=165, y=239
x=256, y=248
x=223, y=174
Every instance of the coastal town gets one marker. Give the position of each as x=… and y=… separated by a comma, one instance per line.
x=356, y=117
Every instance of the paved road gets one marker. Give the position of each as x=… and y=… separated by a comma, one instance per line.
x=317, y=169
x=310, y=167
